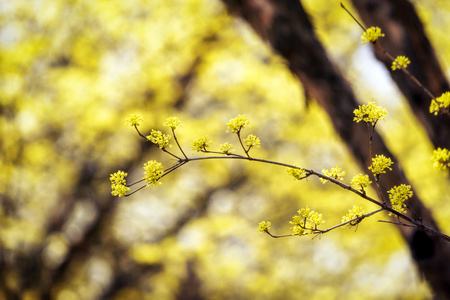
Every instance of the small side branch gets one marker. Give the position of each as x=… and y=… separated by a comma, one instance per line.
x=316, y=231
x=406, y=72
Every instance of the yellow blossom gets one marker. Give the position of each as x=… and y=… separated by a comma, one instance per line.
x=252, y=141
x=400, y=62
x=119, y=184
x=263, y=227
x=335, y=173
x=369, y=113
x=235, y=125
x=306, y=221
x=298, y=173
x=153, y=171
x=441, y=159
x=398, y=195
x=371, y=35
x=226, y=148
x=360, y=181
x=133, y=120
x=172, y=122
x=434, y=107
x=355, y=212
x=379, y=164
x=439, y=103
x=201, y=144
x=158, y=138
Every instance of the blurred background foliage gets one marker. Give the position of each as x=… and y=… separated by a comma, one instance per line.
x=72, y=71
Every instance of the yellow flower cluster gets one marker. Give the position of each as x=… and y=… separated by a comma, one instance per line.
x=398, y=195
x=235, y=125
x=360, y=181
x=133, y=120
x=441, y=159
x=335, y=173
x=379, y=164
x=226, y=148
x=400, y=62
x=153, y=171
x=252, y=141
x=369, y=113
x=201, y=144
x=263, y=227
x=158, y=138
x=119, y=184
x=172, y=122
x=306, y=221
x=371, y=35
x=442, y=101
x=355, y=212
x=298, y=173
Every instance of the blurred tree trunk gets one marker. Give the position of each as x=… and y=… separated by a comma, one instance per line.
x=286, y=27
x=405, y=35
x=31, y=272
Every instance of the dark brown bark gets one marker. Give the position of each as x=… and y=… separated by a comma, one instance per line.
x=405, y=35
x=286, y=27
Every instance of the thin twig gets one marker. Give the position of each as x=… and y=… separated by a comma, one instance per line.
x=178, y=144
x=170, y=153
x=352, y=222
x=163, y=149
x=279, y=236
x=396, y=223
x=351, y=15
x=135, y=191
x=242, y=145
x=406, y=72
x=143, y=136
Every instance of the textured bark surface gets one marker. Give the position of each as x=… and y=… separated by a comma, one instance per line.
x=286, y=27
x=405, y=35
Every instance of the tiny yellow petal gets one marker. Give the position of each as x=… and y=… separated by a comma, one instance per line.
x=371, y=35
x=133, y=120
